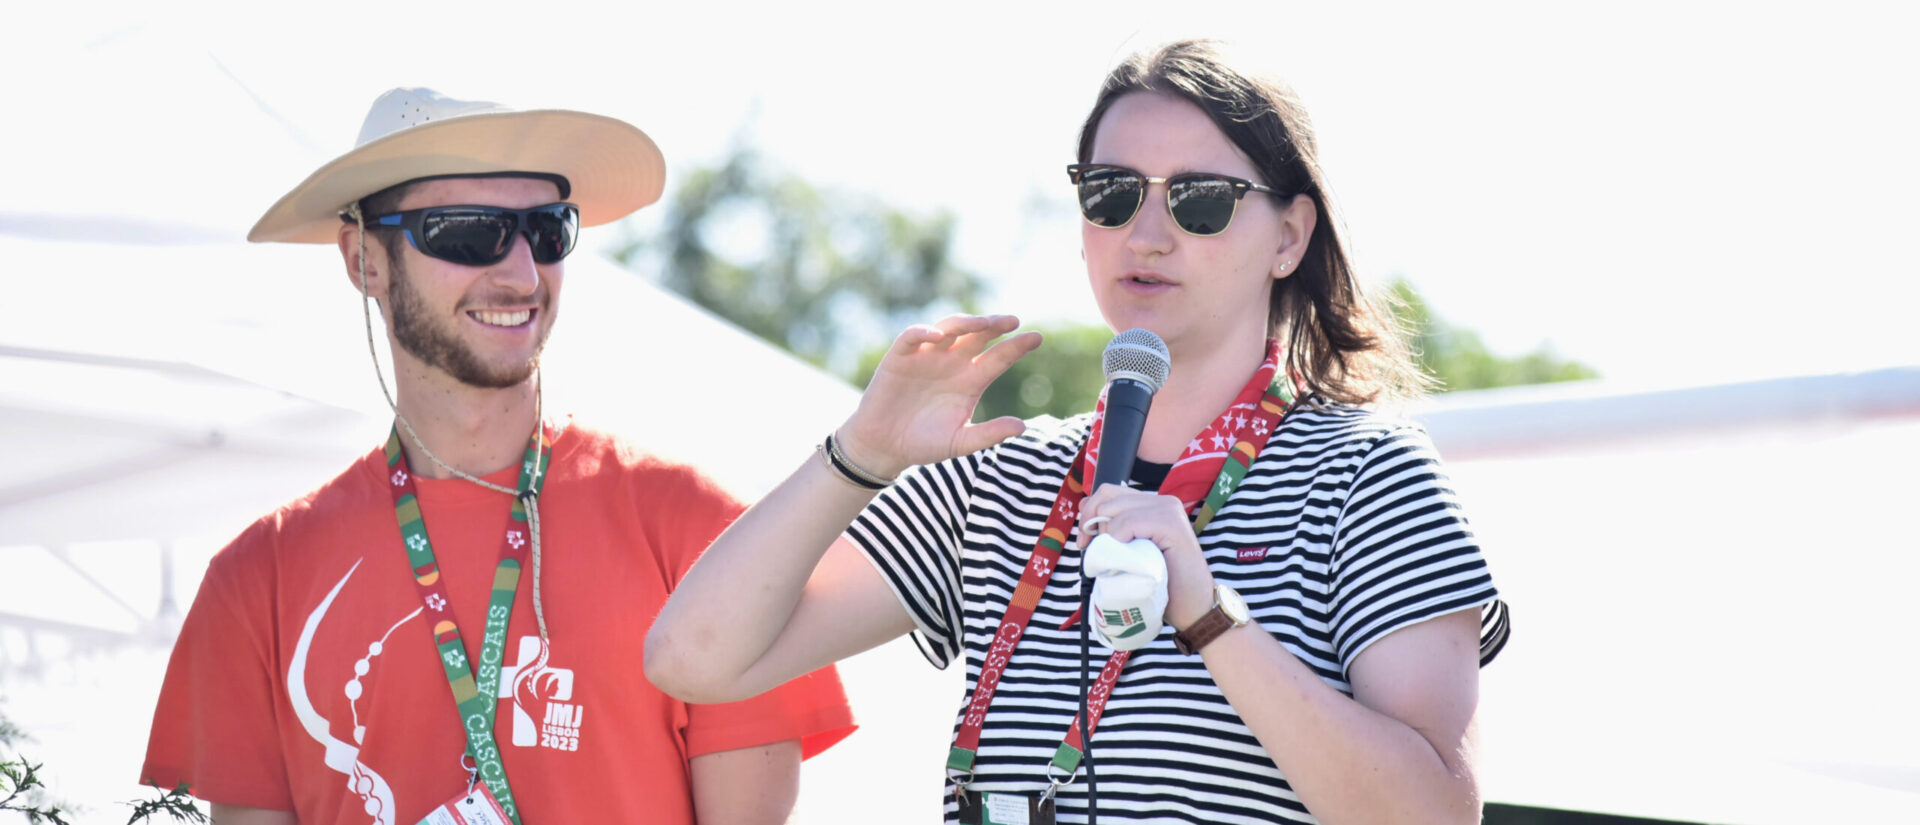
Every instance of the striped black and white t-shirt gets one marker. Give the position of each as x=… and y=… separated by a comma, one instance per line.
x=1343, y=531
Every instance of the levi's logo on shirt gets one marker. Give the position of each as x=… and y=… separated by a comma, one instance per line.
x=1250, y=553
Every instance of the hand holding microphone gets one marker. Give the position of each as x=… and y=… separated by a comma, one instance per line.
x=1129, y=592
x=1133, y=539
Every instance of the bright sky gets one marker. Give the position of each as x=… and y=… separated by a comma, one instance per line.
x=1674, y=193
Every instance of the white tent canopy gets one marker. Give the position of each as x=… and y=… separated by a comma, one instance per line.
x=148, y=358
x=1711, y=592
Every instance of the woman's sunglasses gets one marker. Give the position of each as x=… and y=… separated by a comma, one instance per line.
x=483, y=235
x=1202, y=204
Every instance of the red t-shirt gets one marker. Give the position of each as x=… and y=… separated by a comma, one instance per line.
x=305, y=677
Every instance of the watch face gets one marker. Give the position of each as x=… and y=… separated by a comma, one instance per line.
x=1231, y=604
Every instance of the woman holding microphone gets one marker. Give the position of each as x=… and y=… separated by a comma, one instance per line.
x=1327, y=605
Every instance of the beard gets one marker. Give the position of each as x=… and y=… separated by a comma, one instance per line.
x=438, y=347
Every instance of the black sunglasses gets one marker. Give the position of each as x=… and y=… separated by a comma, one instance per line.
x=483, y=235
x=1201, y=203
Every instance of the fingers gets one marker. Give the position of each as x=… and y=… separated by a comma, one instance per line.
x=966, y=324
x=1002, y=355
x=976, y=437
x=1128, y=514
x=967, y=333
x=912, y=338
x=1103, y=497
x=958, y=325
x=971, y=334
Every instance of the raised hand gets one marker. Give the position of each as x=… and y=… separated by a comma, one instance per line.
x=919, y=407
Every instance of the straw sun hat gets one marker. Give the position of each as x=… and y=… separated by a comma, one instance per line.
x=613, y=167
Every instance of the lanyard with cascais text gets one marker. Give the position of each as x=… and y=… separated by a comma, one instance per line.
x=476, y=698
x=1250, y=428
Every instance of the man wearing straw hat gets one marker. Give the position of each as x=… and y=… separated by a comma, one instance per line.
x=453, y=626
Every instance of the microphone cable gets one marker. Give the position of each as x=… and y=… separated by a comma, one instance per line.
x=1139, y=360
x=1086, y=722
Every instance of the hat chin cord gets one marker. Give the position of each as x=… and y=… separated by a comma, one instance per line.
x=530, y=499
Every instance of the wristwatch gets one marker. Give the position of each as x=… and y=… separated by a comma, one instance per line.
x=1229, y=611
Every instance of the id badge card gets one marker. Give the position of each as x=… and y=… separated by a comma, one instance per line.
x=989, y=808
x=474, y=807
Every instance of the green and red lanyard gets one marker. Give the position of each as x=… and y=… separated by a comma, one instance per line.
x=1247, y=424
x=476, y=698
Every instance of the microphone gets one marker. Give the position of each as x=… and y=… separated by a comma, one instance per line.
x=1129, y=580
x=1136, y=365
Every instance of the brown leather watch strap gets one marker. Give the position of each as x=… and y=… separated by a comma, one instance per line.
x=1203, y=630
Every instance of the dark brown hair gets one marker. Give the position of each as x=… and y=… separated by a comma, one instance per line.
x=1346, y=346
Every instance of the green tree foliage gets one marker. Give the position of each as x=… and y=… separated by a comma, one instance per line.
x=23, y=791
x=21, y=788
x=177, y=804
x=26, y=794
x=1461, y=361
x=823, y=274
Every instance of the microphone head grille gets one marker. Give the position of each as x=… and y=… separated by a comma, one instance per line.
x=1137, y=354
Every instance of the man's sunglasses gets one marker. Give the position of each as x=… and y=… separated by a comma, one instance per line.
x=483, y=235
x=1202, y=204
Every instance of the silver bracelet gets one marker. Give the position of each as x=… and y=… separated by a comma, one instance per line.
x=837, y=459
